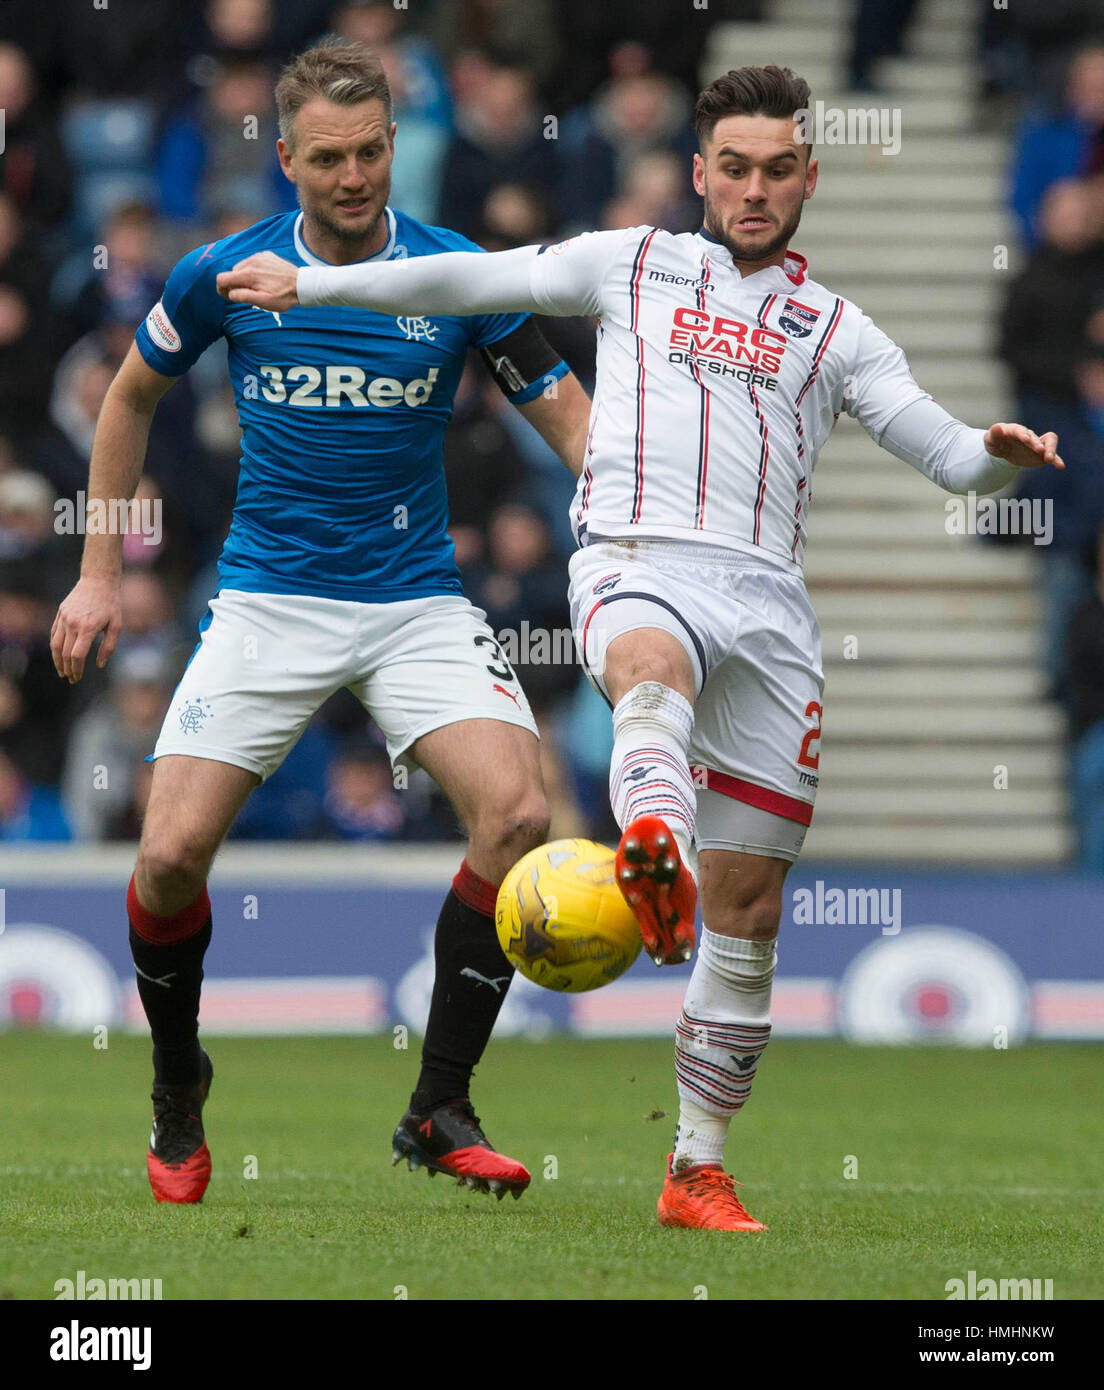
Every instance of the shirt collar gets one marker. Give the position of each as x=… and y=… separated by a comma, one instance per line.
x=381, y=255
x=794, y=268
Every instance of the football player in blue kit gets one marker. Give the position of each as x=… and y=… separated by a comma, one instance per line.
x=337, y=572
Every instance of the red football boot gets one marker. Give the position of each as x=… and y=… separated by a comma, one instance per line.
x=703, y=1198
x=659, y=888
x=450, y=1140
x=179, y=1161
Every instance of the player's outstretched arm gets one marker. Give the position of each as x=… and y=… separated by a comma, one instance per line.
x=960, y=459
x=454, y=282
x=118, y=453
x=565, y=281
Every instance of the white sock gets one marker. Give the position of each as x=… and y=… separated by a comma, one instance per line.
x=650, y=767
x=724, y=1027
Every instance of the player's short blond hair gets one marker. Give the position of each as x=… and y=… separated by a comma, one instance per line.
x=343, y=72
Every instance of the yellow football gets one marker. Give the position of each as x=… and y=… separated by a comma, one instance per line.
x=561, y=918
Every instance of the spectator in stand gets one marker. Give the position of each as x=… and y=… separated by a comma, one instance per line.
x=80, y=385
x=35, y=707
x=29, y=531
x=28, y=811
x=1062, y=141
x=1050, y=302
x=25, y=364
x=1025, y=46
x=112, y=737
x=1086, y=668
x=674, y=38
x=126, y=823
x=1075, y=495
x=147, y=615
x=34, y=172
x=637, y=113
x=288, y=805
x=106, y=50
x=420, y=97
x=237, y=29
x=499, y=139
x=654, y=195
x=118, y=286
x=218, y=148
x=877, y=30
x=21, y=263
x=361, y=801
x=518, y=33
x=191, y=483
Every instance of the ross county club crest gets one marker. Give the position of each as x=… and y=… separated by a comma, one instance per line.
x=606, y=583
x=798, y=320
x=418, y=329
x=192, y=716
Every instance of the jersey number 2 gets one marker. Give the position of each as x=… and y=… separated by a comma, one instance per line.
x=805, y=758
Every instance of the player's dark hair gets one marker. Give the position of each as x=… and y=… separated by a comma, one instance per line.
x=769, y=91
x=338, y=69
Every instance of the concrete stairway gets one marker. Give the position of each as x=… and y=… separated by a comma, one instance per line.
x=939, y=691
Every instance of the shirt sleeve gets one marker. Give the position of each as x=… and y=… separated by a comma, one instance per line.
x=879, y=384
x=945, y=450
x=559, y=280
x=571, y=278
x=187, y=318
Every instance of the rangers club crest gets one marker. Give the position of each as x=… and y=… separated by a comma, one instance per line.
x=798, y=320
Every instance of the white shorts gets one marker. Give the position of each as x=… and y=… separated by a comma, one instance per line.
x=754, y=644
x=266, y=662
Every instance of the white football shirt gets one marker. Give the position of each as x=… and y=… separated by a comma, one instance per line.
x=715, y=392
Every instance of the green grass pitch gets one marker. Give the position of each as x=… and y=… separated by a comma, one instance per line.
x=990, y=1161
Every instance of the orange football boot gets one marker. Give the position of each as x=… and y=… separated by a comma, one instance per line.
x=703, y=1198
x=659, y=888
x=178, y=1161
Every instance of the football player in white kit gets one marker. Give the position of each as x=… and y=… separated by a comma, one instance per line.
x=722, y=368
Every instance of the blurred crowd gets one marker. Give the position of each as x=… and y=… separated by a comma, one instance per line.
x=123, y=148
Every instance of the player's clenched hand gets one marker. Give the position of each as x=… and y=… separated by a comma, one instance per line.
x=91, y=607
x=265, y=280
x=1022, y=446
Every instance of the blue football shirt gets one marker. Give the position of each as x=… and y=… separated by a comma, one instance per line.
x=341, y=491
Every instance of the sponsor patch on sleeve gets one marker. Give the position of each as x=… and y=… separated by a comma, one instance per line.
x=161, y=329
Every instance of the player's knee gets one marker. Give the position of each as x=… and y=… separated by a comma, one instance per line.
x=506, y=833
x=751, y=912
x=171, y=869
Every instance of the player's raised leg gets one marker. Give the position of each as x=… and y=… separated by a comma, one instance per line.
x=721, y=1033
x=650, y=680
x=192, y=803
x=491, y=772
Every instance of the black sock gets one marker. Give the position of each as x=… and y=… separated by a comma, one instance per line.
x=471, y=980
x=169, y=978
